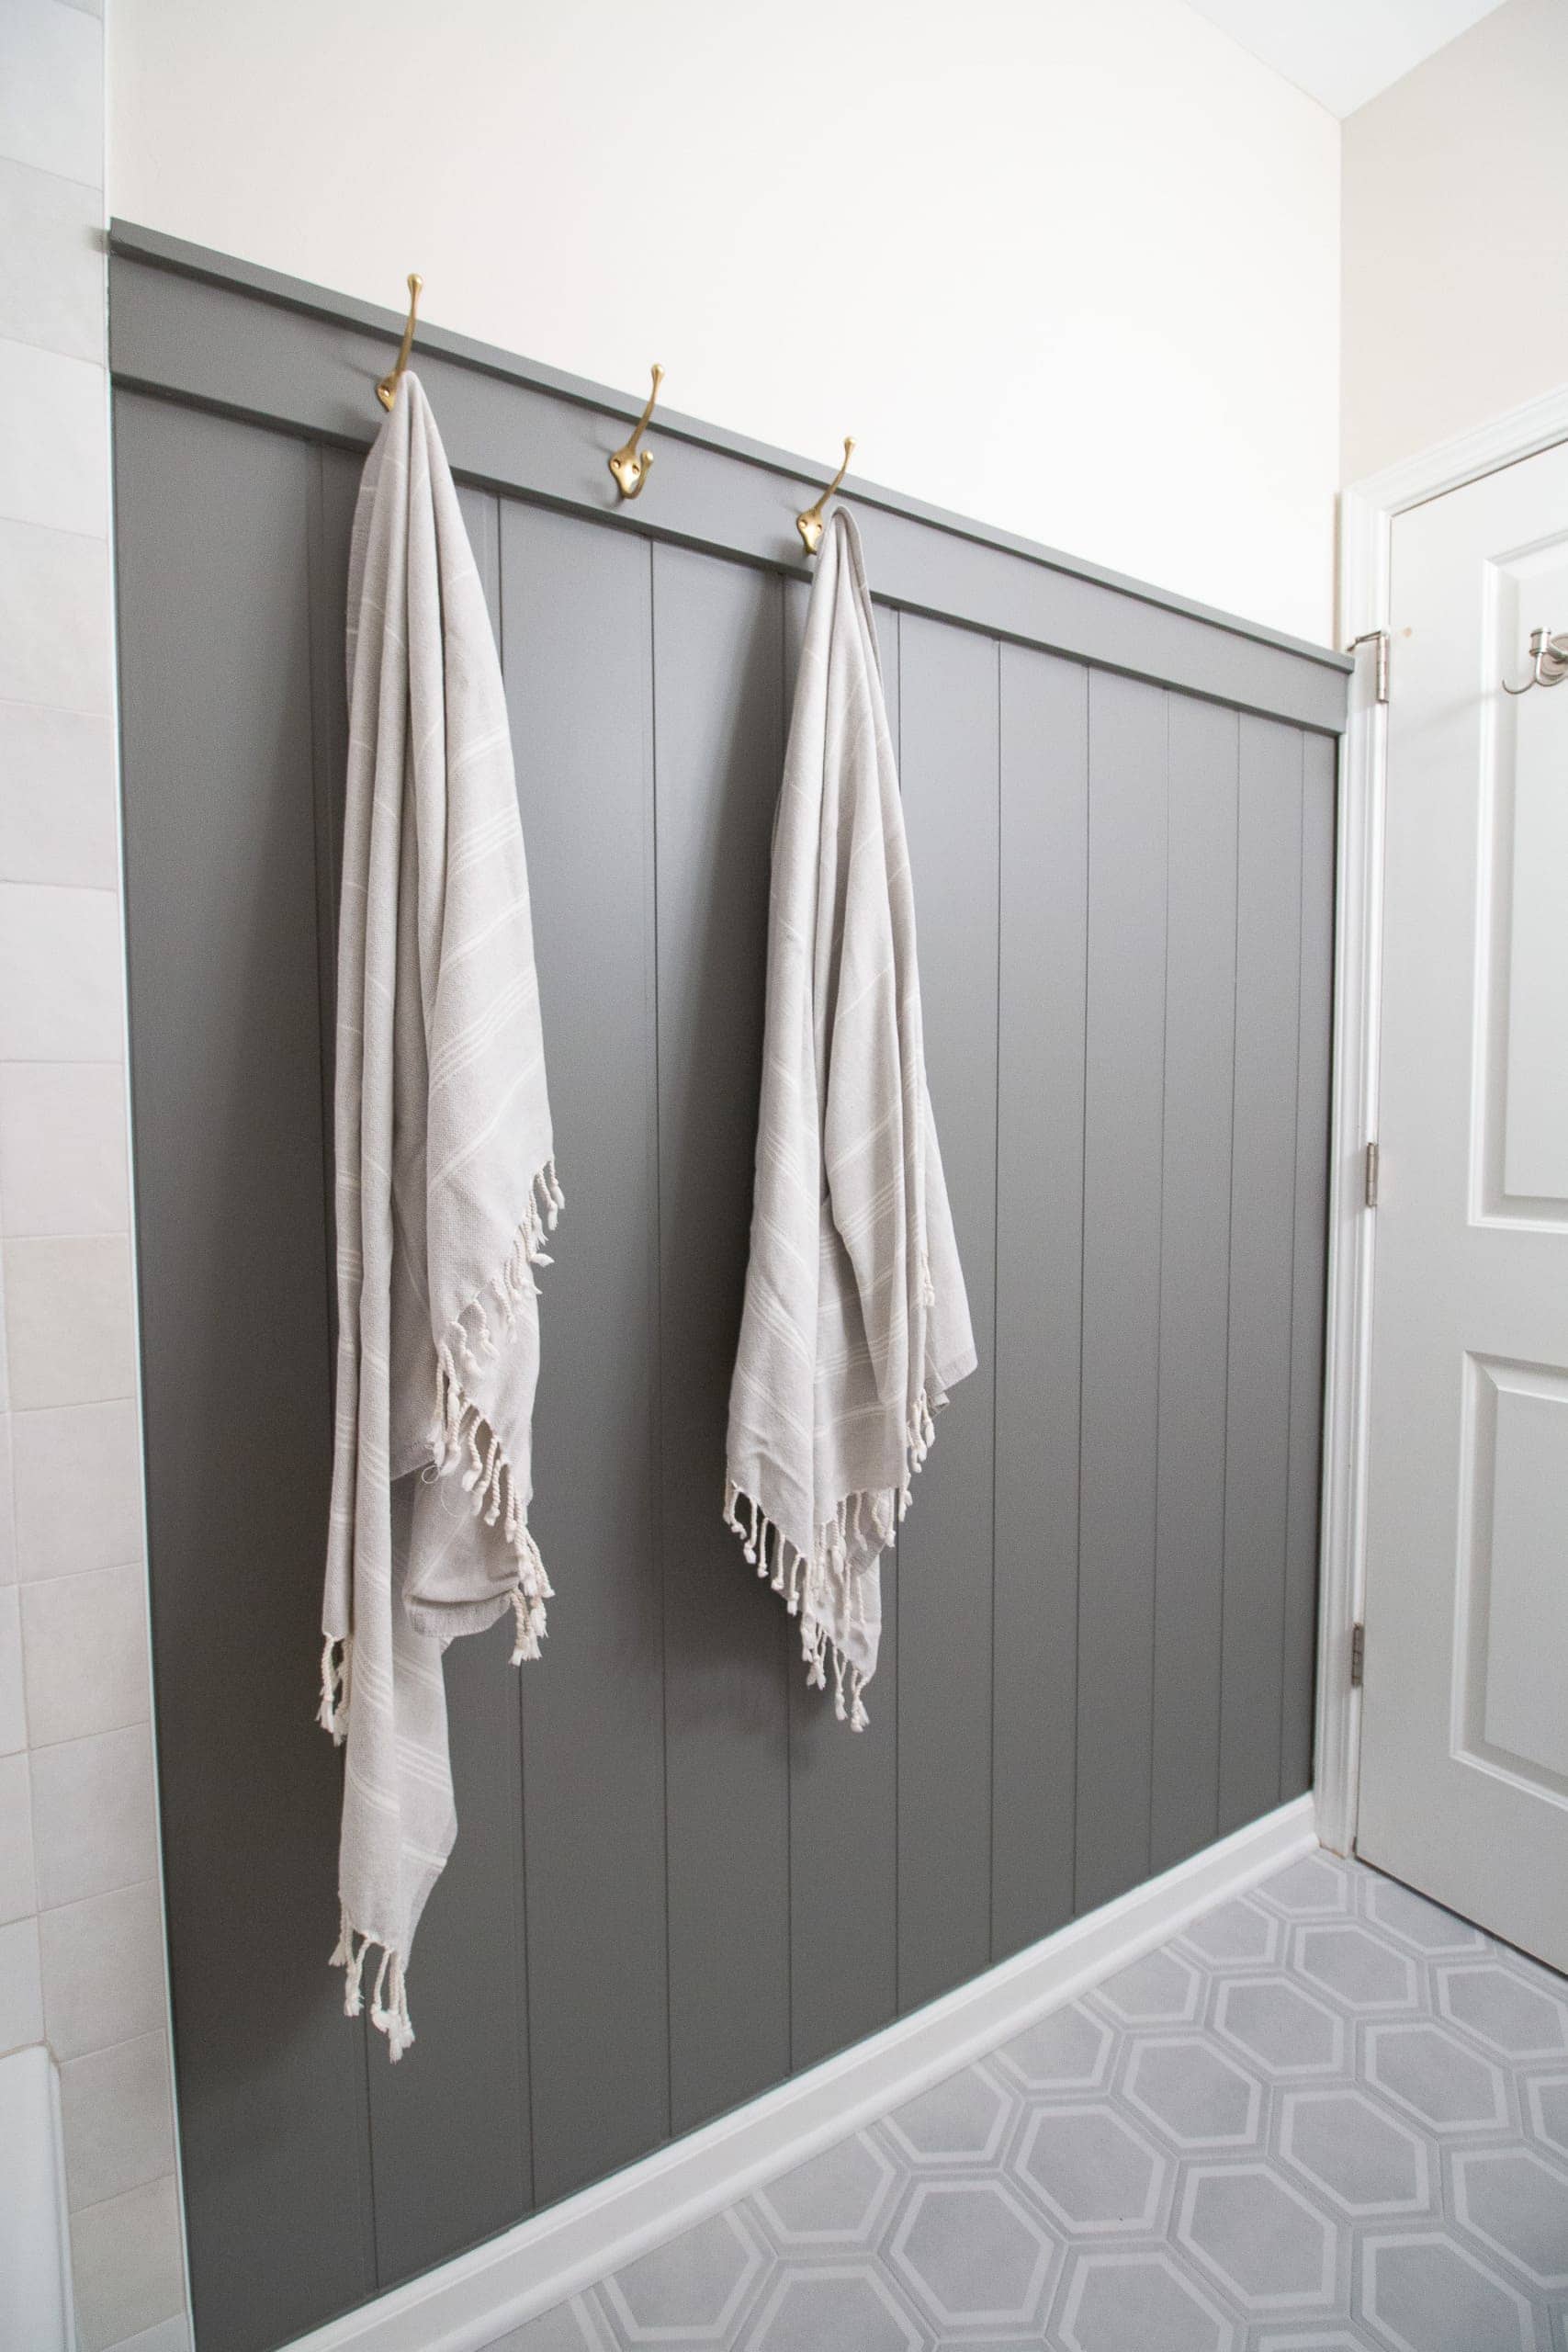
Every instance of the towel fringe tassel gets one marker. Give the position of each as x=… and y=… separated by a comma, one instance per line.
x=332, y=1713
x=459, y=1427
x=801, y=1583
x=389, y=1997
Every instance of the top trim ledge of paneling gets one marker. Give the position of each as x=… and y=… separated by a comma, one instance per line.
x=229, y=335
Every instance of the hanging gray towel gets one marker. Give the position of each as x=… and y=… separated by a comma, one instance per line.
x=446, y=1186
x=856, y=1324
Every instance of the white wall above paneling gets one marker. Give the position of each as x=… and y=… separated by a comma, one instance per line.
x=1456, y=267
x=1073, y=271
x=1342, y=53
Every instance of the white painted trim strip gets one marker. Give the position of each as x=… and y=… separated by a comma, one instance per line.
x=467, y=2303
x=1352, y=1233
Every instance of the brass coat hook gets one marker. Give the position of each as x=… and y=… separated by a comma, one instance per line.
x=809, y=525
x=387, y=390
x=1549, y=663
x=629, y=464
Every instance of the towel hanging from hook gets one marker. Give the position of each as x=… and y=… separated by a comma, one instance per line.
x=809, y=525
x=629, y=464
x=387, y=390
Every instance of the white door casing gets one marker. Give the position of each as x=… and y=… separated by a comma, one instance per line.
x=1464, y=1732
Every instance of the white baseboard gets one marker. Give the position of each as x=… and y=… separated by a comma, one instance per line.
x=467, y=2303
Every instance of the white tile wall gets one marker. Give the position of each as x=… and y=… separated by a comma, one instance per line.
x=7, y=1479
x=51, y=92
x=125, y=2261
x=84, y=1639
x=49, y=229
x=93, y=1814
x=19, y=1885
x=13, y=1708
x=74, y=934
x=87, y=2005
x=77, y=1478
x=82, y=1958
x=62, y=1166
x=68, y=1319
x=170, y=2335
x=57, y=812
x=21, y=1987
x=54, y=457
x=54, y=613
x=119, y=2131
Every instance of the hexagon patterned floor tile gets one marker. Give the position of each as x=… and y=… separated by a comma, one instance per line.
x=1328, y=2117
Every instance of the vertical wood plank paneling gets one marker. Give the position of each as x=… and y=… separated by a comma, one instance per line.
x=1122, y=1156
x=676, y=1876
x=1263, y=1181
x=1194, y=1277
x=948, y=703
x=449, y=2137
x=215, y=632
x=577, y=606
x=1318, y=790
x=1044, y=880
x=334, y=492
x=843, y=1807
x=719, y=745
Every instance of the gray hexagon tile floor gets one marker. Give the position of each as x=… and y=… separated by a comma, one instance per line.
x=1328, y=2118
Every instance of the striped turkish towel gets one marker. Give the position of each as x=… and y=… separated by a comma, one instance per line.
x=446, y=1186
x=855, y=1324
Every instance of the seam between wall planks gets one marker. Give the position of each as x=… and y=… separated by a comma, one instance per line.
x=1160, y=1323
x=995, y=1309
x=520, y=1696
x=787, y=1669
x=1294, y=1255
x=1230, y=1263
x=656, y=1324
x=1274, y=849
x=1088, y=732
x=1284, y=1537
x=1295, y=1249
x=1313, y=1060
x=325, y=787
x=897, y=1711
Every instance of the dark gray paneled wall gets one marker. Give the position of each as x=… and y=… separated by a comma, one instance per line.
x=677, y=1878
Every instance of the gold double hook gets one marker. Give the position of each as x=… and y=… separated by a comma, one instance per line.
x=629, y=464
x=387, y=390
x=810, y=525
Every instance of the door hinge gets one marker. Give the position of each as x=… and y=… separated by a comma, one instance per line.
x=1380, y=638
x=1372, y=1176
x=1358, y=1655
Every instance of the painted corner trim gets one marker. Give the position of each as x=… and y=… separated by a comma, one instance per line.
x=467, y=2303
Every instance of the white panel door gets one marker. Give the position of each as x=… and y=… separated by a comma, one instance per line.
x=1464, y=1739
